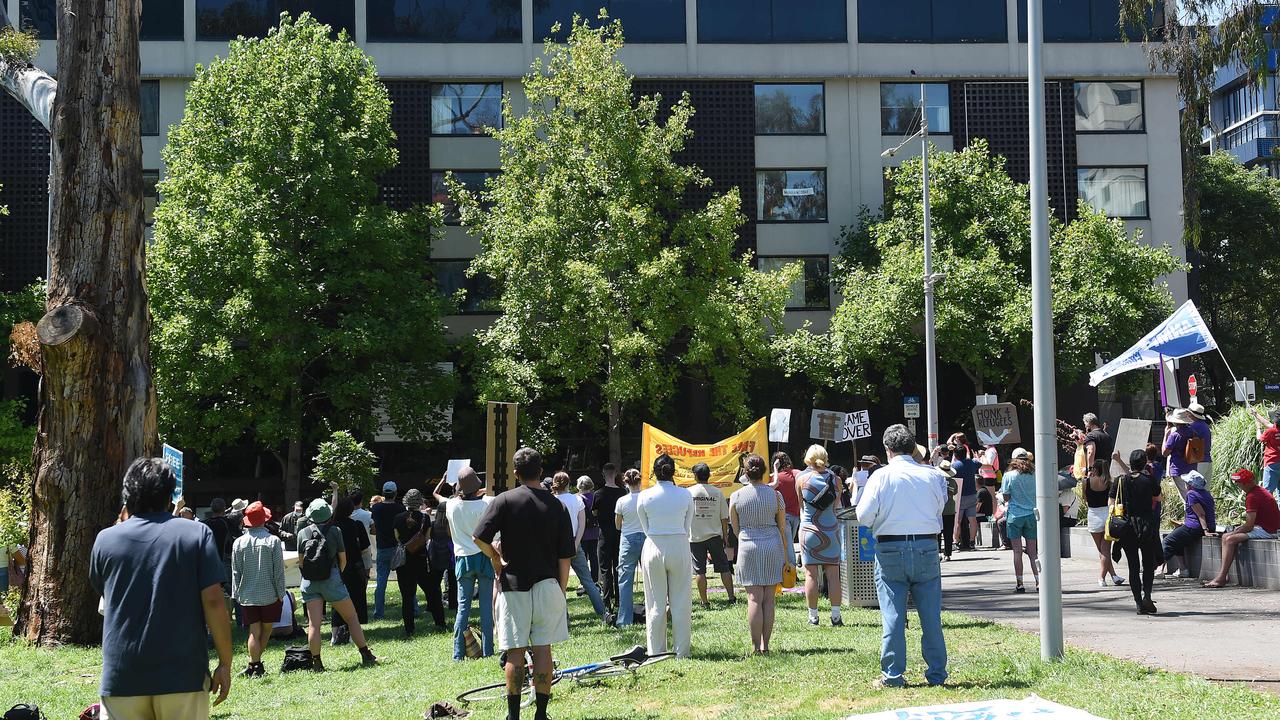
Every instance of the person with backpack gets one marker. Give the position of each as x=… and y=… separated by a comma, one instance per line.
x=257, y=583
x=420, y=568
x=1183, y=446
x=322, y=558
x=820, y=492
x=225, y=528
x=591, y=534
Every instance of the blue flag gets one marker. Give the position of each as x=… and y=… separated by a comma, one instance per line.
x=1184, y=333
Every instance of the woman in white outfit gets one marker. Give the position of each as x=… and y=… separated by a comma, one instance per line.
x=666, y=515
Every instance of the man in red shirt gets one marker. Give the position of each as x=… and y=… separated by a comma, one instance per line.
x=1261, y=522
x=1269, y=436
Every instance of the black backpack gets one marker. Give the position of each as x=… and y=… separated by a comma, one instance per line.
x=827, y=495
x=317, y=560
x=23, y=711
x=296, y=658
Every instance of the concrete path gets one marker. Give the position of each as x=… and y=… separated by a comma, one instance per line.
x=1231, y=634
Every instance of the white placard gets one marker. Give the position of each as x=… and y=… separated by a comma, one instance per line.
x=797, y=192
x=780, y=425
x=455, y=466
x=1131, y=435
x=825, y=424
x=856, y=425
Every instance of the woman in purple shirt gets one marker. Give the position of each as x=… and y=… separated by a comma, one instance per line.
x=1200, y=521
x=590, y=535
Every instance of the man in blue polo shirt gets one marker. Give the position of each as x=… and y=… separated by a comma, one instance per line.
x=160, y=578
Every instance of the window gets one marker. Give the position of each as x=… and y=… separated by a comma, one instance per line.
x=932, y=21
x=790, y=109
x=791, y=195
x=1084, y=21
x=149, y=107
x=900, y=108
x=161, y=21
x=443, y=20
x=150, y=196
x=771, y=21
x=1120, y=192
x=465, y=109
x=472, y=180
x=40, y=16
x=225, y=19
x=1109, y=107
x=480, y=293
x=643, y=21
x=1240, y=104
x=812, y=290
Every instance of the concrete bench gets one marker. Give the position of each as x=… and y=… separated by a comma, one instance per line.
x=1257, y=563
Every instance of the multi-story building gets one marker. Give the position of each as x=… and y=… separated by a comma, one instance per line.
x=1244, y=111
x=795, y=102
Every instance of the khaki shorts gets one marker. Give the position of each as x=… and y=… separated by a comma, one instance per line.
x=174, y=706
x=533, y=618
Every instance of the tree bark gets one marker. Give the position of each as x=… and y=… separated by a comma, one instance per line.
x=97, y=401
x=615, y=434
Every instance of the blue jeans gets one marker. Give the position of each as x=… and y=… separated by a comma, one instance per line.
x=475, y=580
x=628, y=559
x=1271, y=479
x=380, y=585
x=902, y=567
x=582, y=568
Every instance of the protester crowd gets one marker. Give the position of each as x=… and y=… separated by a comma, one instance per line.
x=505, y=560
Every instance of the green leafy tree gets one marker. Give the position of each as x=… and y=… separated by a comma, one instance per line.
x=1238, y=267
x=287, y=298
x=608, y=284
x=344, y=463
x=1105, y=284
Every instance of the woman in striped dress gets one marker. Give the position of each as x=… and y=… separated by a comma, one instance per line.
x=819, y=532
x=758, y=516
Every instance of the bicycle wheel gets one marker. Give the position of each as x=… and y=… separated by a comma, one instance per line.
x=497, y=691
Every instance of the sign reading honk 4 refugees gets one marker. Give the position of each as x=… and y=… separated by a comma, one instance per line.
x=996, y=424
x=724, y=457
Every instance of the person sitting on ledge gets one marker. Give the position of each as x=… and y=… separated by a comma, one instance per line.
x=1261, y=521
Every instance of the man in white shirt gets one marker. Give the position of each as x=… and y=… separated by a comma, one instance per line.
x=707, y=535
x=902, y=504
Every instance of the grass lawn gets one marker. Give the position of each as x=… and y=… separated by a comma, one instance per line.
x=820, y=672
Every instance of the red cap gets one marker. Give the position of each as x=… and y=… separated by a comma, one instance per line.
x=1242, y=475
x=256, y=515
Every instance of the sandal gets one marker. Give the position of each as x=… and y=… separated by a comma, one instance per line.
x=1211, y=585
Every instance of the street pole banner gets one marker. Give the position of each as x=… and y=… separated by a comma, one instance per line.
x=779, y=425
x=723, y=457
x=856, y=425
x=825, y=424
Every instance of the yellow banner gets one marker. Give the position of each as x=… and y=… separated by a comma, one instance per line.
x=724, y=458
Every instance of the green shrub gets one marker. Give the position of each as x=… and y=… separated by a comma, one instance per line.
x=15, y=483
x=345, y=461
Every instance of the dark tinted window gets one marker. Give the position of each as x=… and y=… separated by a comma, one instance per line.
x=937, y=21
x=480, y=292
x=223, y=19
x=149, y=107
x=790, y=109
x=791, y=195
x=162, y=20
x=900, y=108
x=444, y=20
x=473, y=180
x=812, y=290
x=771, y=21
x=38, y=15
x=465, y=108
x=643, y=21
x=1080, y=21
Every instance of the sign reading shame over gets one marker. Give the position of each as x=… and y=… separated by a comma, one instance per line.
x=857, y=425
x=997, y=424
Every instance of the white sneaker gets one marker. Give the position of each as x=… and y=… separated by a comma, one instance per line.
x=1184, y=573
x=1117, y=580
x=1102, y=583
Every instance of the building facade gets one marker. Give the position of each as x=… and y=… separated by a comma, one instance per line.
x=1244, y=111
x=795, y=103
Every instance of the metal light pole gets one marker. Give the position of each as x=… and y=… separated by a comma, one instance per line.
x=1042, y=352
x=930, y=349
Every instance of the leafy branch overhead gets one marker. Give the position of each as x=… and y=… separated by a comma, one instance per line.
x=345, y=461
x=1105, y=282
x=608, y=279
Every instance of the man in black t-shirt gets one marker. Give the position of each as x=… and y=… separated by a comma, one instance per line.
x=606, y=502
x=1098, y=446
x=536, y=542
x=384, y=521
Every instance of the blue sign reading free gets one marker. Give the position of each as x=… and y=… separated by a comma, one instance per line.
x=173, y=456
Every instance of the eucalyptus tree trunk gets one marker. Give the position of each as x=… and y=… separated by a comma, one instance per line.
x=97, y=401
x=615, y=434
